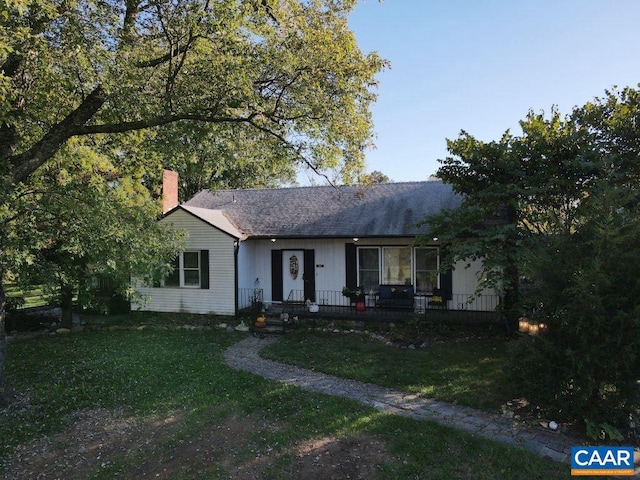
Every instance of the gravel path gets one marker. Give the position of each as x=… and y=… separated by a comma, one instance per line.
x=245, y=356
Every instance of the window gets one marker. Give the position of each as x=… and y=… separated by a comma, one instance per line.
x=396, y=265
x=190, y=270
x=173, y=279
x=369, y=268
x=426, y=262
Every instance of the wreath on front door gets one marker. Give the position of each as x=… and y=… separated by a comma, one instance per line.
x=293, y=266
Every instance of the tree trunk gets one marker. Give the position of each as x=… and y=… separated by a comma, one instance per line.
x=511, y=298
x=66, y=305
x=6, y=394
x=512, y=275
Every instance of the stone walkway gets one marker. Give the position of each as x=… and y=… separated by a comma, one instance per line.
x=245, y=356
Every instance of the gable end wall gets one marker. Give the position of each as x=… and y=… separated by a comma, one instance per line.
x=219, y=299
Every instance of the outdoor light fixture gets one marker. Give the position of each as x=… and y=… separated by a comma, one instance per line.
x=523, y=325
x=273, y=240
x=532, y=328
x=355, y=239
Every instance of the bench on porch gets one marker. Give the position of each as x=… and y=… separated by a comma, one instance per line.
x=395, y=296
x=437, y=300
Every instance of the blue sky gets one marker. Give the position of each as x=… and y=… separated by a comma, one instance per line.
x=480, y=66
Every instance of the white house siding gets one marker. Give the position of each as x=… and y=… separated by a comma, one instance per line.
x=465, y=284
x=219, y=299
x=254, y=261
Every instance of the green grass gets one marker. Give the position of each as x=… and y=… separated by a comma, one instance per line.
x=462, y=370
x=153, y=373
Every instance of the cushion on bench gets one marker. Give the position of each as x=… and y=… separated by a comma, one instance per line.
x=398, y=296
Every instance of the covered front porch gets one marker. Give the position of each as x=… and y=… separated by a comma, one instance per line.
x=461, y=308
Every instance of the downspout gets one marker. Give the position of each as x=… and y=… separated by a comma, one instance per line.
x=236, y=247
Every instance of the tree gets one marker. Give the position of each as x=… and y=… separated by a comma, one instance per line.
x=239, y=156
x=558, y=207
x=289, y=70
x=514, y=190
x=375, y=176
x=286, y=76
x=82, y=223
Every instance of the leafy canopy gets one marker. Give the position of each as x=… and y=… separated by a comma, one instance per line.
x=556, y=211
x=287, y=76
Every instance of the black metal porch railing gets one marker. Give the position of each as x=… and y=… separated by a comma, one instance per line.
x=333, y=304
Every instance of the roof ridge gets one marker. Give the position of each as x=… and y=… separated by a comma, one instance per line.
x=302, y=187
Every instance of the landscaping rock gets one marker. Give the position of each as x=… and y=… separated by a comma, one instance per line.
x=241, y=327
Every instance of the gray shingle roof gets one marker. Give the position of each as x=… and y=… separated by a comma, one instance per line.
x=379, y=210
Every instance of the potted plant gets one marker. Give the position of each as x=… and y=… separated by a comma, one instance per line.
x=354, y=295
x=347, y=292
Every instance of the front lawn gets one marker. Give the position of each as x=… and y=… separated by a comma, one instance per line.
x=463, y=370
x=161, y=403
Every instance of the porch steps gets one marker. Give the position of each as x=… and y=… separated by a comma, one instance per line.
x=274, y=326
x=276, y=322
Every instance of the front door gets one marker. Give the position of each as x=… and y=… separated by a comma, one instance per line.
x=293, y=275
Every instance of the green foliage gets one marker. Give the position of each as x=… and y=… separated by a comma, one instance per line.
x=260, y=84
x=84, y=221
x=559, y=206
x=601, y=431
x=375, y=176
x=585, y=289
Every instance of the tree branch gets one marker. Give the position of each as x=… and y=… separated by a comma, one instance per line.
x=296, y=151
x=27, y=162
x=158, y=122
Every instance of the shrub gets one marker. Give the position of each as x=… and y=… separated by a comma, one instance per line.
x=585, y=290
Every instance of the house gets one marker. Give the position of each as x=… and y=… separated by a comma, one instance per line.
x=304, y=245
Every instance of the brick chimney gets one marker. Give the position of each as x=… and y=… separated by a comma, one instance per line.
x=169, y=190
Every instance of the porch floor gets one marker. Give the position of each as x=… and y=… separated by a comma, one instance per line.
x=376, y=314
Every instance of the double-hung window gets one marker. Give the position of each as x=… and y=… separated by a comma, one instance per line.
x=190, y=270
x=426, y=273
x=398, y=265
x=369, y=268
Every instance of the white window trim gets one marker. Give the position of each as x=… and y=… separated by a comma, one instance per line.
x=181, y=269
x=381, y=248
x=369, y=247
x=414, y=272
x=397, y=247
